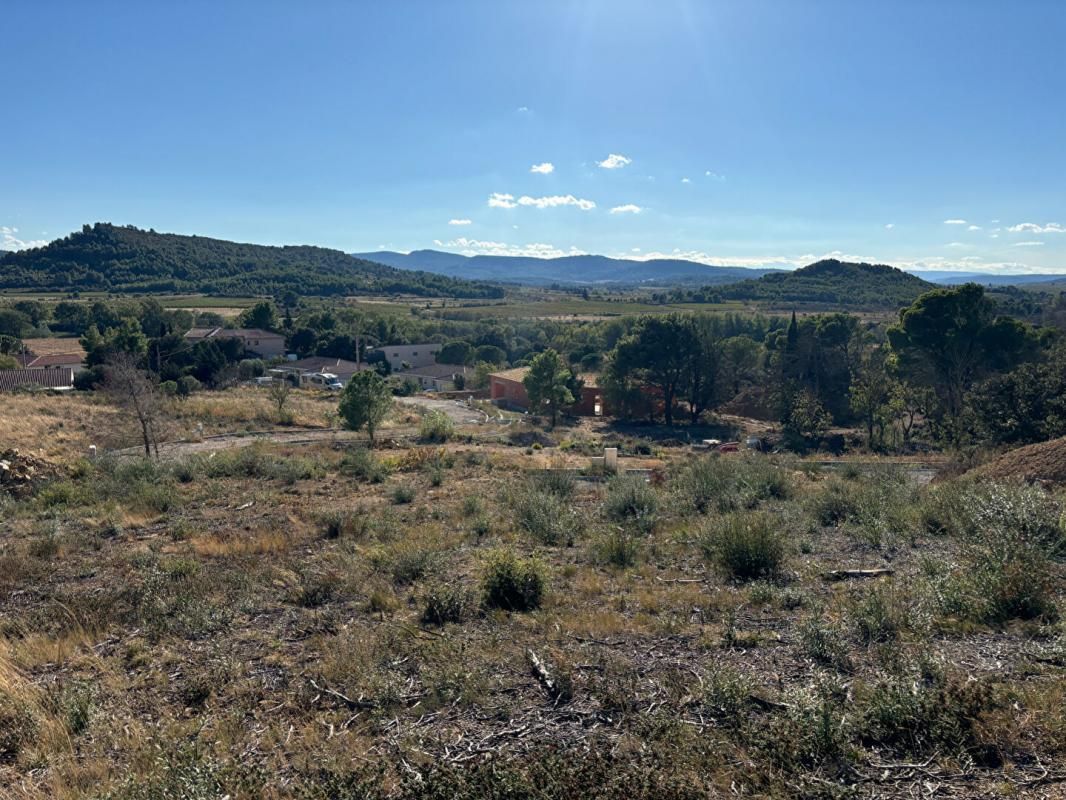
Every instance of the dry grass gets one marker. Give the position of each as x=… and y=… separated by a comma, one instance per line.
x=217, y=647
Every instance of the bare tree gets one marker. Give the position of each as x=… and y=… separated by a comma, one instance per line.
x=134, y=389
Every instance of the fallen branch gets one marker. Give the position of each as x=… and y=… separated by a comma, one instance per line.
x=845, y=574
x=544, y=677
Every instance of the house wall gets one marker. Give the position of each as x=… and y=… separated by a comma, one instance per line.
x=414, y=355
x=266, y=347
x=508, y=392
x=586, y=406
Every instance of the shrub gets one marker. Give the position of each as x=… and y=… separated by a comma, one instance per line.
x=618, y=547
x=746, y=545
x=336, y=524
x=1010, y=535
x=546, y=516
x=403, y=494
x=713, y=482
x=559, y=482
x=512, y=583
x=926, y=714
x=436, y=426
x=825, y=644
x=630, y=498
x=409, y=562
x=362, y=464
x=447, y=602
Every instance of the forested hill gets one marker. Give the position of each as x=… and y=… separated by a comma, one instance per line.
x=105, y=257
x=829, y=283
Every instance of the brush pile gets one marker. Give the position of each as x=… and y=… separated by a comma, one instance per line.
x=19, y=473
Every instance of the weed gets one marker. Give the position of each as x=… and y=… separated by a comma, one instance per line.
x=512, y=583
x=631, y=499
x=436, y=426
x=446, y=602
x=362, y=464
x=745, y=545
x=403, y=494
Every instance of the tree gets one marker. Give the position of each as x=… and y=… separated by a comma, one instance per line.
x=491, y=353
x=548, y=382
x=133, y=389
x=365, y=401
x=456, y=352
x=739, y=362
x=658, y=352
x=279, y=392
x=808, y=418
x=262, y=315
x=871, y=394
x=13, y=323
x=950, y=338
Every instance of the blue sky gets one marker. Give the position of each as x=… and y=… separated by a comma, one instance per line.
x=922, y=133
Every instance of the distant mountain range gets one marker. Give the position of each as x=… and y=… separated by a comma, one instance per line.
x=987, y=279
x=584, y=270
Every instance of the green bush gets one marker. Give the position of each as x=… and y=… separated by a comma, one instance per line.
x=447, y=602
x=729, y=484
x=337, y=524
x=618, y=548
x=1011, y=534
x=436, y=426
x=559, y=482
x=362, y=464
x=549, y=518
x=512, y=583
x=747, y=546
x=826, y=644
x=403, y=494
x=631, y=499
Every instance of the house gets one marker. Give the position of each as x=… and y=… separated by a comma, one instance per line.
x=506, y=389
x=309, y=371
x=52, y=353
x=59, y=379
x=437, y=377
x=265, y=344
x=409, y=356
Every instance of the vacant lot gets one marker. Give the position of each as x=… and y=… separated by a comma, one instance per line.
x=472, y=620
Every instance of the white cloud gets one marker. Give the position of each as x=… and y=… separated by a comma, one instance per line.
x=685, y=180
x=479, y=247
x=994, y=236
x=890, y=226
x=522, y=109
x=955, y=244
x=498, y=200
x=954, y=222
x=1028, y=244
x=543, y=169
x=628, y=208
x=459, y=221
x=9, y=241
x=1032, y=227
x=614, y=161
x=714, y=176
x=634, y=250
x=974, y=228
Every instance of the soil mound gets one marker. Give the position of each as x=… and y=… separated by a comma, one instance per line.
x=1044, y=463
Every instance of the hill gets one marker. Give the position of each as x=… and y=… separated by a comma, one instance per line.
x=577, y=269
x=834, y=283
x=105, y=257
x=1044, y=462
